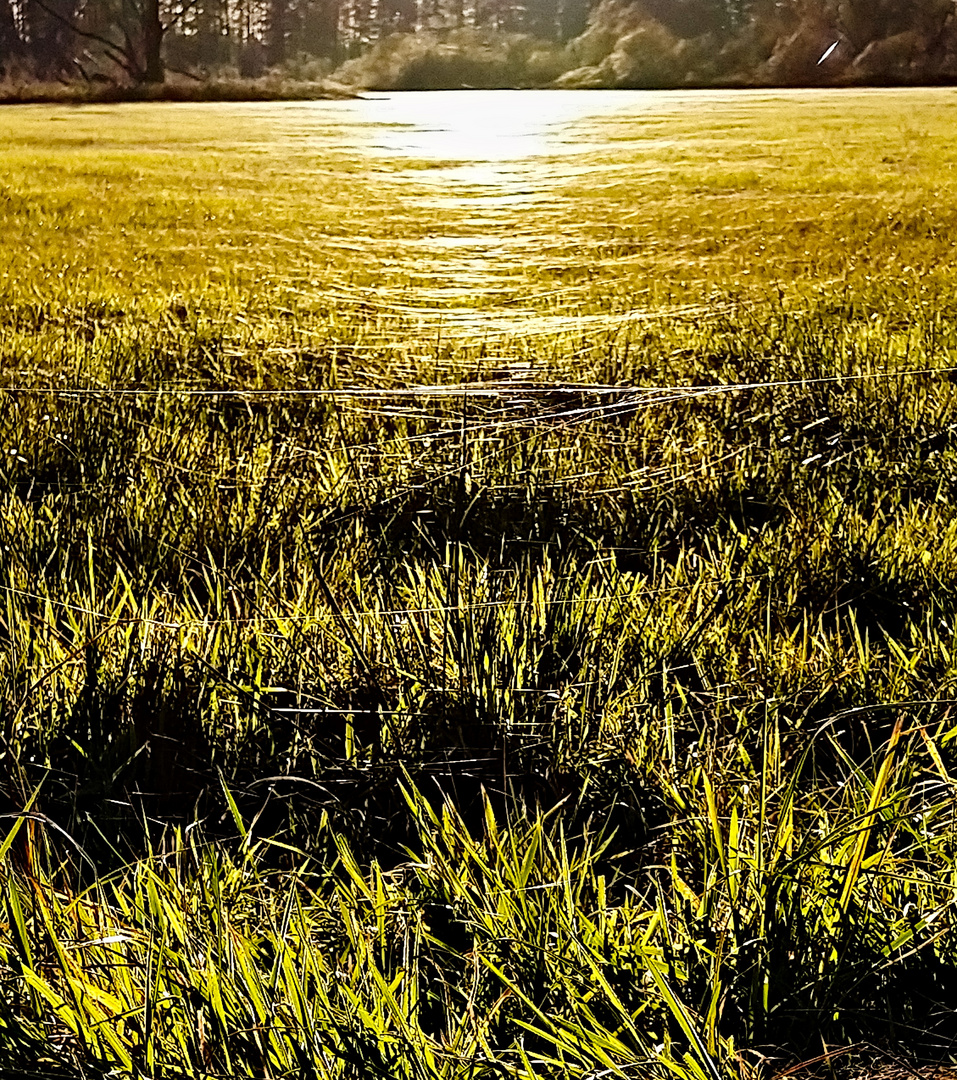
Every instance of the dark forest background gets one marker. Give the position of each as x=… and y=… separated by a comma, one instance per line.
x=408, y=44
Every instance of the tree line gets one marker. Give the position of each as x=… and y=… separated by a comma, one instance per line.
x=485, y=42
x=141, y=39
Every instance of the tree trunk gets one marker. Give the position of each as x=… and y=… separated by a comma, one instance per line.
x=276, y=38
x=152, y=69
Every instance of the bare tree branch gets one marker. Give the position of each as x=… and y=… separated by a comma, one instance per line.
x=111, y=47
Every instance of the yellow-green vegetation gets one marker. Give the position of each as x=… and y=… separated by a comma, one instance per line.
x=33, y=92
x=471, y=621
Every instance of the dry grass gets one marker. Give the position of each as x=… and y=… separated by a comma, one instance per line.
x=268, y=88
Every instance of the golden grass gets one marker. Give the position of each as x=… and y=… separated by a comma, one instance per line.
x=484, y=618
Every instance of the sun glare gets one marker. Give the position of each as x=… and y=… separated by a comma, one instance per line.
x=483, y=138
x=476, y=126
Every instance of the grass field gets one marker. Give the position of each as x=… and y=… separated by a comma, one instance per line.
x=479, y=620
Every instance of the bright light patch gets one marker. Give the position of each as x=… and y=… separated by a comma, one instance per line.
x=478, y=125
x=827, y=52
x=483, y=137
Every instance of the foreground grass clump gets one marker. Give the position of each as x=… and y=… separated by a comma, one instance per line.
x=513, y=641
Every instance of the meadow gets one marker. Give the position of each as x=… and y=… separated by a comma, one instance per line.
x=486, y=619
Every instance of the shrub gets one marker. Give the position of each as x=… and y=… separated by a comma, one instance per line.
x=453, y=60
